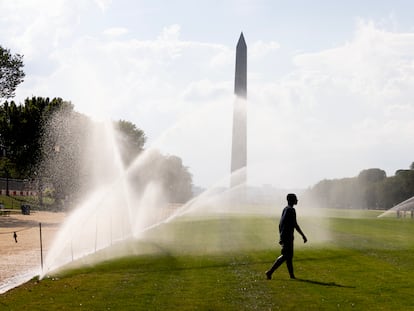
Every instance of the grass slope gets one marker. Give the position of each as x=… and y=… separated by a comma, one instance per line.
x=367, y=264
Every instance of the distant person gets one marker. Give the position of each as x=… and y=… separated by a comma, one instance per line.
x=15, y=236
x=287, y=226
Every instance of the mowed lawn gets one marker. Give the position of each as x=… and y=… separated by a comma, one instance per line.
x=363, y=263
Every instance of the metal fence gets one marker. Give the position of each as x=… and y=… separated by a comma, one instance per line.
x=18, y=187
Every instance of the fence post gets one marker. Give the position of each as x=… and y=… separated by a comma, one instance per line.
x=41, y=246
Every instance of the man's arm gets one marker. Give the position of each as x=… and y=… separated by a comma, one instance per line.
x=298, y=229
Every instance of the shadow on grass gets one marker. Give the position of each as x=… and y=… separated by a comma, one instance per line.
x=330, y=284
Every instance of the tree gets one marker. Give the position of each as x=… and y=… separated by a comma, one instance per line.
x=21, y=130
x=47, y=141
x=64, y=141
x=177, y=180
x=11, y=72
x=167, y=172
x=130, y=140
x=11, y=134
x=372, y=175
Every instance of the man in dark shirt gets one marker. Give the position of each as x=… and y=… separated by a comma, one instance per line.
x=287, y=226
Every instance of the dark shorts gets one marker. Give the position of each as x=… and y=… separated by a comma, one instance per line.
x=287, y=249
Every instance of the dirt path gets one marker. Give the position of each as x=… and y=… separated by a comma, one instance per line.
x=24, y=256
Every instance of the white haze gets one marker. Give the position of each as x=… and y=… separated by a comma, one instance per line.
x=117, y=217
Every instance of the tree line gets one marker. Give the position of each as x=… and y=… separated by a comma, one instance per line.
x=46, y=141
x=371, y=189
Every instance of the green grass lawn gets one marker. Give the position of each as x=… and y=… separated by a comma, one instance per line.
x=218, y=264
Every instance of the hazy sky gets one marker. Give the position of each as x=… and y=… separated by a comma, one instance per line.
x=330, y=83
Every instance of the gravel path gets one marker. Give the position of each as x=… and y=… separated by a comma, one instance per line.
x=20, y=260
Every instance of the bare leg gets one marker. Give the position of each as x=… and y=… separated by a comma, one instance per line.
x=288, y=252
x=281, y=259
x=289, y=264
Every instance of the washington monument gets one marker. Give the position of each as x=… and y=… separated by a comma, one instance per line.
x=239, y=139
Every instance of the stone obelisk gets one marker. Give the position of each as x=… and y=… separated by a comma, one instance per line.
x=239, y=139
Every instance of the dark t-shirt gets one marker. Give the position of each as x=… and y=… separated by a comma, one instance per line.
x=287, y=224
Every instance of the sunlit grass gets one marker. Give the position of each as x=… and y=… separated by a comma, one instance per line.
x=219, y=264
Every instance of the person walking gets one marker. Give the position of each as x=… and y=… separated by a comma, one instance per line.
x=287, y=226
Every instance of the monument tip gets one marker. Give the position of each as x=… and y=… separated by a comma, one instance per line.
x=241, y=39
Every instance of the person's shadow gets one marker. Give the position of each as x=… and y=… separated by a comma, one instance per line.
x=332, y=284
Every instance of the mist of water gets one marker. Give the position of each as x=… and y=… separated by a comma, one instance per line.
x=113, y=211
x=400, y=210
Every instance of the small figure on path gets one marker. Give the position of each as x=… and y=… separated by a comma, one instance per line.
x=287, y=226
x=15, y=236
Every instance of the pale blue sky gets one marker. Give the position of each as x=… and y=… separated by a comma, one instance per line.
x=300, y=25
x=330, y=83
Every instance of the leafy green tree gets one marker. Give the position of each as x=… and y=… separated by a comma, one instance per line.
x=389, y=194
x=177, y=180
x=130, y=140
x=46, y=140
x=11, y=134
x=405, y=180
x=11, y=72
x=368, y=181
x=21, y=130
x=372, y=175
x=168, y=172
x=370, y=189
x=63, y=145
